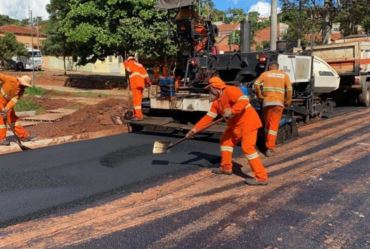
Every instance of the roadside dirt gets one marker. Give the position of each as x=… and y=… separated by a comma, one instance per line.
x=73, y=79
x=87, y=119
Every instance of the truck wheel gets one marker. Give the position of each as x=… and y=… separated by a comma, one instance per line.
x=365, y=96
x=20, y=66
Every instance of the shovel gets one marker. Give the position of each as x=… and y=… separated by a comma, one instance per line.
x=161, y=147
x=17, y=139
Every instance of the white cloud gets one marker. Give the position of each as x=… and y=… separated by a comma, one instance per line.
x=19, y=9
x=262, y=7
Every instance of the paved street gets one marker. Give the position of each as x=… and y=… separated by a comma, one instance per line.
x=112, y=193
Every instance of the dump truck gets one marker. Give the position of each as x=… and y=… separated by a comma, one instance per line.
x=351, y=60
x=312, y=78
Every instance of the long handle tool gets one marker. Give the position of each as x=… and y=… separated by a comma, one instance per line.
x=161, y=147
x=17, y=139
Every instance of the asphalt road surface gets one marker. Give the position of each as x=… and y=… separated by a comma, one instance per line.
x=112, y=193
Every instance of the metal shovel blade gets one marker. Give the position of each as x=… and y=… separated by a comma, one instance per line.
x=161, y=147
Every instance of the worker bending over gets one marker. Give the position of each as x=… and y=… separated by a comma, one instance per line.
x=275, y=89
x=138, y=78
x=12, y=89
x=242, y=125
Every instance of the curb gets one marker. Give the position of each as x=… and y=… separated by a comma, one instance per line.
x=13, y=148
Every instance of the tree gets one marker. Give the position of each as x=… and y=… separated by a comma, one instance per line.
x=303, y=17
x=96, y=29
x=235, y=15
x=56, y=43
x=9, y=47
x=6, y=20
x=353, y=14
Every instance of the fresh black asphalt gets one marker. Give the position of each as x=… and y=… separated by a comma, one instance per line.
x=36, y=182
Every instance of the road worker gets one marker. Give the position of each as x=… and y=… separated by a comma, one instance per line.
x=12, y=89
x=275, y=90
x=138, y=78
x=243, y=123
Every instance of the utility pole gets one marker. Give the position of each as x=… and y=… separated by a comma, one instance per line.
x=33, y=56
x=273, y=33
x=299, y=31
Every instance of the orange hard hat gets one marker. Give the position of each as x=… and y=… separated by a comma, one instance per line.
x=216, y=82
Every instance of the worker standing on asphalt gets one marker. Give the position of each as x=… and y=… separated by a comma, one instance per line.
x=12, y=89
x=138, y=78
x=275, y=90
x=242, y=125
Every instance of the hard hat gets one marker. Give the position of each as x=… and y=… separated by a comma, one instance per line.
x=25, y=80
x=216, y=82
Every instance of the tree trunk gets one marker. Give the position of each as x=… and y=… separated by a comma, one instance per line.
x=64, y=65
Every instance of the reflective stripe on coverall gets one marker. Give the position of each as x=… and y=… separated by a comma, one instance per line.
x=10, y=93
x=243, y=126
x=138, y=79
x=277, y=89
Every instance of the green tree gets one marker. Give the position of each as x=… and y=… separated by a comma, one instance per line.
x=353, y=13
x=6, y=20
x=101, y=28
x=9, y=47
x=56, y=43
x=235, y=15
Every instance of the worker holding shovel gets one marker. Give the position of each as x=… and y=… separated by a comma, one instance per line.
x=243, y=123
x=12, y=88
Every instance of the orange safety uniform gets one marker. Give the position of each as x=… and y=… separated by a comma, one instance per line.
x=243, y=126
x=276, y=90
x=139, y=78
x=10, y=93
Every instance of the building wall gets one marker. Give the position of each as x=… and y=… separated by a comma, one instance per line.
x=112, y=65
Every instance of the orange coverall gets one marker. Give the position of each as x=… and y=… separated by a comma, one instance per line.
x=139, y=78
x=243, y=126
x=10, y=93
x=277, y=90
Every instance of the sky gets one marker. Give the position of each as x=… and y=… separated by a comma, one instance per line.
x=19, y=9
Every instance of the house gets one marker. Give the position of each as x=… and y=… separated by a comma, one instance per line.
x=24, y=35
x=222, y=40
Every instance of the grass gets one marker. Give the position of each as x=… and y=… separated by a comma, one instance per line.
x=35, y=91
x=57, y=93
x=27, y=104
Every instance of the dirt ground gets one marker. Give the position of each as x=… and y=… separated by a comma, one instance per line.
x=73, y=79
x=89, y=118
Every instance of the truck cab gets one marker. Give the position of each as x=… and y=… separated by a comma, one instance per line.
x=33, y=60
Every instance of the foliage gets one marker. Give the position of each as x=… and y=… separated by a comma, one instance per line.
x=303, y=17
x=95, y=29
x=6, y=20
x=35, y=91
x=9, y=47
x=235, y=15
x=352, y=14
x=27, y=104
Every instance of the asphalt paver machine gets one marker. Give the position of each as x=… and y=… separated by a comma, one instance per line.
x=173, y=107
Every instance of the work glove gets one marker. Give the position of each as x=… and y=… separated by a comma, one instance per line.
x=228, y=113
x=190, y=134
x=4, y=112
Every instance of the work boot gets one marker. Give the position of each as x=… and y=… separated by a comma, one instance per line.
x=4, y=142
x=269, y=153
x=255, y=182
x=220, y=171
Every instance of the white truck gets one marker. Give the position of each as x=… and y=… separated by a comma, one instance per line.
x=33, y=60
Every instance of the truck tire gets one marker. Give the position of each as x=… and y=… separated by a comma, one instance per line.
x=365, y=96
x=20, y=66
